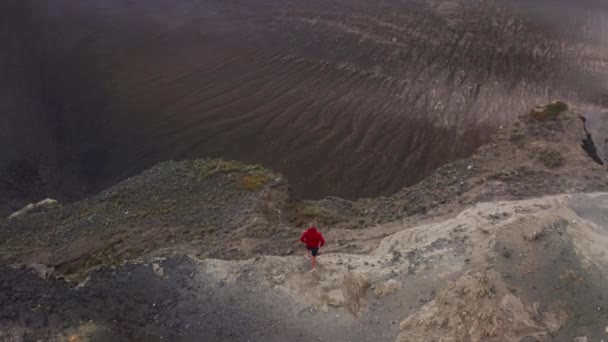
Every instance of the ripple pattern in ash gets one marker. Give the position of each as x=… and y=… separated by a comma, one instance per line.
x=348, y=98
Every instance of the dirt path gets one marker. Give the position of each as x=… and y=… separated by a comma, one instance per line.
x=532, y=270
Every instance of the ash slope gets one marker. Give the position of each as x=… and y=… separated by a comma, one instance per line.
x=140, y=260
x=347, y=98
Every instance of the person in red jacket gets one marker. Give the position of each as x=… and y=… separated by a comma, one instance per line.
x=313, y=240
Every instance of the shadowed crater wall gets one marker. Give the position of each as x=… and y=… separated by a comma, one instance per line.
x=346, y=97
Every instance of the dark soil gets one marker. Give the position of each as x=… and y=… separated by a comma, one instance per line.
x=351, y=99
x=132, y=303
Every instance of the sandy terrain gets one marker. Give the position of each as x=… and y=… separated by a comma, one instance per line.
x=346, y=98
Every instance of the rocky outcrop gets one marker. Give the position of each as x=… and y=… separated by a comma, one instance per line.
x=477, y=277
x=225, y=209
x=46, y=204
x=207, y=207
x=508, y=245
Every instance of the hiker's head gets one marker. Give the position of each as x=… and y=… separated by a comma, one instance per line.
x=312, y=225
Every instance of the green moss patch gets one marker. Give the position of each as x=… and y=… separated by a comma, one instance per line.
x=313, y=212
x=209, y=167
x=550, y=111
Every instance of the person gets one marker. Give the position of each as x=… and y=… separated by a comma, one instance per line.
x=313, y=240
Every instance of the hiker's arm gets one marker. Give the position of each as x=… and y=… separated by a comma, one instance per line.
x=303, y=237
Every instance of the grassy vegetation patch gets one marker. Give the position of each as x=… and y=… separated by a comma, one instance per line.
x=77, y=271
x=556, y=108
x=316, y=213
x=518, y=137
x=550, y=111
x=551, y=158
x=209, y=167
x=104, y=257
x=255, y=178
x=7, y=250
x=255, y=181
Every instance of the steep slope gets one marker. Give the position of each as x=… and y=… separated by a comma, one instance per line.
x=507, y=245
x=228, y=209
x=349, y=98
x=530, y=270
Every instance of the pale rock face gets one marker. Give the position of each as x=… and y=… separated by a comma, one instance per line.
x=44, y=204
x=387, y=288
x=464, y=259
x=158, y=270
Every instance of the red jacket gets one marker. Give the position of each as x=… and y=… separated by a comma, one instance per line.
x=312, y=238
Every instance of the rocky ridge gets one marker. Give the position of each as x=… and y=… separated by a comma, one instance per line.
x=504, y=246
